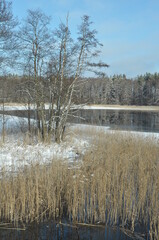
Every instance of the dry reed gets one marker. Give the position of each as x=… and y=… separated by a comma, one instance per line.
x=117, y=183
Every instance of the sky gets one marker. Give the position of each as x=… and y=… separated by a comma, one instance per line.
x=128, y=29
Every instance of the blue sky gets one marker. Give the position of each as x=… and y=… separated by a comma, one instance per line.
x=128, y=29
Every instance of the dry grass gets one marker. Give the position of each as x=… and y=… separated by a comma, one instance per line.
x=117, y=183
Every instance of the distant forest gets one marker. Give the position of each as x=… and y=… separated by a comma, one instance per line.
x=143, y=90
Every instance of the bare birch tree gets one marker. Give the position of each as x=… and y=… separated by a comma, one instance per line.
x=70, y=61
x=35, y=39
x=66, y=59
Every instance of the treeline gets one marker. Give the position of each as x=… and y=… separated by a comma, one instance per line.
x=143, y=90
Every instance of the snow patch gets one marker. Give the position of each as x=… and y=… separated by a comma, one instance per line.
x=13, y=154
x=14, y=124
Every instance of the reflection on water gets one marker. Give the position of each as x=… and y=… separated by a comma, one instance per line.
x=120, y=119
x=52, y=231
x=116, y=119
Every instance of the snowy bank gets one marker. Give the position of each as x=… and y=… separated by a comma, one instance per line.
x=14, y=153
x=17, y=151
x=10, y=107
x=119, y=107
x=14, y=124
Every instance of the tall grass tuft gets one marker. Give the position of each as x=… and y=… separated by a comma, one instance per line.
x=117, y=183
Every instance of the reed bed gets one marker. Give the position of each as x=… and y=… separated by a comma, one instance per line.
x=116, y=183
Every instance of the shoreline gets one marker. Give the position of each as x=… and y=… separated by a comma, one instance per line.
x=22, y=106
x=121, y=107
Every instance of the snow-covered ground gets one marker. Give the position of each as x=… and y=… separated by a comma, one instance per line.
x=13, y=124
x=9, y=107
x=119, y=107
x=17, y=151
x=17, y=154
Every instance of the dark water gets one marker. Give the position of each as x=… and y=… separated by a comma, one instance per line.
x=120, y=119
x=54, y=232
x=116, y=119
